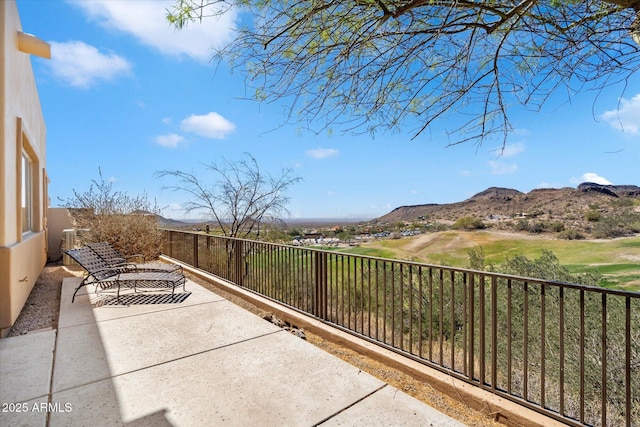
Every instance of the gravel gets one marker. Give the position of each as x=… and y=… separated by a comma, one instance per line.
x=42, y=308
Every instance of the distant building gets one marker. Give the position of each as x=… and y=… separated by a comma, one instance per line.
x=313, y=236
x=23, y=183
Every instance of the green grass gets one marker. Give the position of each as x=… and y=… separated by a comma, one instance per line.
x=374, y=252
x=618, y=259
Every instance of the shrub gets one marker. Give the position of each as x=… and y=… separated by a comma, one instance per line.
x=536, y=227
x=547, y=267
x=571, y=234
x=522, y=225
x=617, y=225
x=128, y=223
x=468, y=223
x=592, y=216
x=477, y=258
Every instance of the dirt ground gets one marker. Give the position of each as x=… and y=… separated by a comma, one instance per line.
x=43, y=305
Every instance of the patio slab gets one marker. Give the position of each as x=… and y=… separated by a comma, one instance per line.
x=201, y=362
x=390, y=407
x=26, y=362
x=32, y=412
x=271, y=380
x=93, y=352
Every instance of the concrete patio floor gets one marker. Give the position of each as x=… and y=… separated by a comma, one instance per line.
x=200, y=362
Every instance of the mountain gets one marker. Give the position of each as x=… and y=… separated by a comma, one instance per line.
x=167, y=222
x=570, y=206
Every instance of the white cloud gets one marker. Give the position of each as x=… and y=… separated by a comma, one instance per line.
x=501, y=168
x=173, y=210
x=626, y=118
x=172, y=140
x=146, y=21
x=322, y=153
x=591, y=177
x=510, y=150
x=211, y=125
x=513, y=149
x=414, y=192
x=83, y=65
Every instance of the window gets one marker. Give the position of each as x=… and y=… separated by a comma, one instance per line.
x=27, y=193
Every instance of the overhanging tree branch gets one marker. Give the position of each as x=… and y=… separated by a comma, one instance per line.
x=379, y=65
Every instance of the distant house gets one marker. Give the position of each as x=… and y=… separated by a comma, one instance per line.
x=23, y=175
x=313, y=236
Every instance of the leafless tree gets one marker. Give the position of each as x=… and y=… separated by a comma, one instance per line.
x=374, y=65
x=241, y=197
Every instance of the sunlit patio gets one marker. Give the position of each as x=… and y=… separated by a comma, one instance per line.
x=196, y=360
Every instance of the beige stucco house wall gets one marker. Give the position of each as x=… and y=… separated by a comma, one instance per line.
x=23, y=175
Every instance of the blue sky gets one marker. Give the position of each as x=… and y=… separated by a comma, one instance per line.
x=125, y=93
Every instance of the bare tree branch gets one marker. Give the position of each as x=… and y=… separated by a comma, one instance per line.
x=239, y=197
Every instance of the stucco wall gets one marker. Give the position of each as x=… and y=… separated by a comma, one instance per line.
x=59, y=219
x=22, y=255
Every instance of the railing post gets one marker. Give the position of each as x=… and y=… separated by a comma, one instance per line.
x=320, y=308
x=238, y=249
x=195, y=250
x=472, y=325
x=167, y=244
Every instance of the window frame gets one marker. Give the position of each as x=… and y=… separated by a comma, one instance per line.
x=26, y=193
x=28, y=188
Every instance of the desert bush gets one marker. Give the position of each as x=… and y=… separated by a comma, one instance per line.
x=477, y=259
x=547, y=267
x=592, y=215
x=617, y=225
x=608, y=229
x=536, y=227
x=521, y=225
x=468, y=223
x=571, y=234
x=128, y=223
x=557, y=226
x=623, y=202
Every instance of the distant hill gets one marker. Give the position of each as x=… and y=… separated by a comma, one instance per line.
x=574, y=207
x=166, y=222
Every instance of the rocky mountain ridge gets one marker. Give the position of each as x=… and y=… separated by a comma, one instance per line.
x=568, y=205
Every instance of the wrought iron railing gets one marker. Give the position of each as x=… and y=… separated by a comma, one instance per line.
x=569, y=351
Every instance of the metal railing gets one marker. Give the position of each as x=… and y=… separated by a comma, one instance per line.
x=569, y=351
